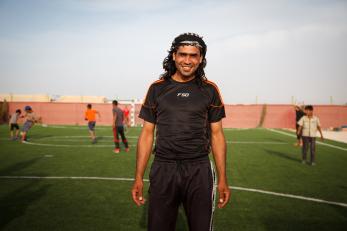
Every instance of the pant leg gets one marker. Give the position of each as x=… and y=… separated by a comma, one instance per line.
x=116, y=137
x=305, y=140
x=121, y=132
x=313, y=149
x=298, y=136
x=198, y=195
x=163, y=197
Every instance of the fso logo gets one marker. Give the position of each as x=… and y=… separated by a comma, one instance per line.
x=182, y=94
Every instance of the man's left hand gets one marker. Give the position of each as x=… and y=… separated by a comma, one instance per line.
x=224, y=194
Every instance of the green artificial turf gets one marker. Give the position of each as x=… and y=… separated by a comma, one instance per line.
x=257, y=159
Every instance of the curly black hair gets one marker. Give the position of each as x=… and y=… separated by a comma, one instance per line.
x=191, y=39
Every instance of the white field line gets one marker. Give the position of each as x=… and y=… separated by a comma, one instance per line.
x=82, y=127
x=146, y=180
x=290, y=196
x=255, y=142
x=318, y=142
x=79, y=138
x=131, y=145
x=74, y=145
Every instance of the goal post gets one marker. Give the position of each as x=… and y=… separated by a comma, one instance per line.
x=131, y=104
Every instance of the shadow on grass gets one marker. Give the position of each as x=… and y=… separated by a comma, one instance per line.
x=292, y=157
x=18, y=166
x=15, y=203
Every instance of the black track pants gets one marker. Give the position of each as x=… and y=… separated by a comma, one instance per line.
x=190, y=183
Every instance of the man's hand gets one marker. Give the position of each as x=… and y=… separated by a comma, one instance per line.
x=136, y=192
x=224, y=194
x=322, y=138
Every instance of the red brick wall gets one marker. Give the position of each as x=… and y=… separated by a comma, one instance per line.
x=238, y=116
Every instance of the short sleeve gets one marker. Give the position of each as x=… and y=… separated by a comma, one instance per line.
x=148, y=109
x=301, y=122
x=216, y=110
x=318, y=122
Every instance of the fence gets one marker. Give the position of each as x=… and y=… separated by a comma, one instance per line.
x=237, y=116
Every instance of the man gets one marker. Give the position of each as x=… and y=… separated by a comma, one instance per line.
x=186, y=109
x=29, y=120
x=118, y=127
x=308, y=125
x=13, y=124
x=298, y=114
x=90, y=116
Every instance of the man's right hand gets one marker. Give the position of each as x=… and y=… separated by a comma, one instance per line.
x=136, y=192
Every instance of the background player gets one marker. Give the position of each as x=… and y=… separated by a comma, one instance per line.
x=299, y=113
x=29, y=120
x=309, y=124
x=126, y=117
x=118, y=127
x=90, y=116
x=13, y=124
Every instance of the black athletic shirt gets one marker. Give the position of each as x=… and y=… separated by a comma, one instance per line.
x=182, y=112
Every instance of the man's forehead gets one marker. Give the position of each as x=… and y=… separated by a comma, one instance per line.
x=188, y=49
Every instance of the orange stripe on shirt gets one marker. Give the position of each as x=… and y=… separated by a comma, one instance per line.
x=158, y=81
x=219, y=94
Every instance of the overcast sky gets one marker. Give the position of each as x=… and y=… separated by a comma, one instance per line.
x=270, y=49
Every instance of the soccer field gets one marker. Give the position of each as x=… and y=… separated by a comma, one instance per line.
x=60, y=181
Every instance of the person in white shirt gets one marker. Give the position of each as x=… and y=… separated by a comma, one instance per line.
x=308, y=125
x=13, y=124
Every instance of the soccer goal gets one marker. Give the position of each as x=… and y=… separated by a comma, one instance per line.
x=131, y=106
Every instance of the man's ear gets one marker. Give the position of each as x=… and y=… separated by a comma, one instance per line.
x=174, y=56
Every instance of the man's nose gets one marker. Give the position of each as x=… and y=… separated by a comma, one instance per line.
x=187, y=60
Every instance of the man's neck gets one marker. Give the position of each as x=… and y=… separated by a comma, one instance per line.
x=180, y=78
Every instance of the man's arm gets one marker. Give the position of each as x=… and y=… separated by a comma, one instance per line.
x=219, y=155
x=114, y=120
x=320, y=131
x=144, y=149
x=301, y=125
x=299, y=130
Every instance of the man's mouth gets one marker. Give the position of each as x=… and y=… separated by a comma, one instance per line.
x=186, y=68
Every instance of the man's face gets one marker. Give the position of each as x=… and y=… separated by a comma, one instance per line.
x=187, y=60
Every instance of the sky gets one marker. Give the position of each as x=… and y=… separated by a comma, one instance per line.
x=257, y=51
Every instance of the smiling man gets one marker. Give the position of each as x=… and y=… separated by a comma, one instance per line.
x=187, y=110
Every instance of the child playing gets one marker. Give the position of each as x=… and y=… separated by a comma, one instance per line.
x=29, y=121
x=13, y=124
x=308, y=125
x=90, y=116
